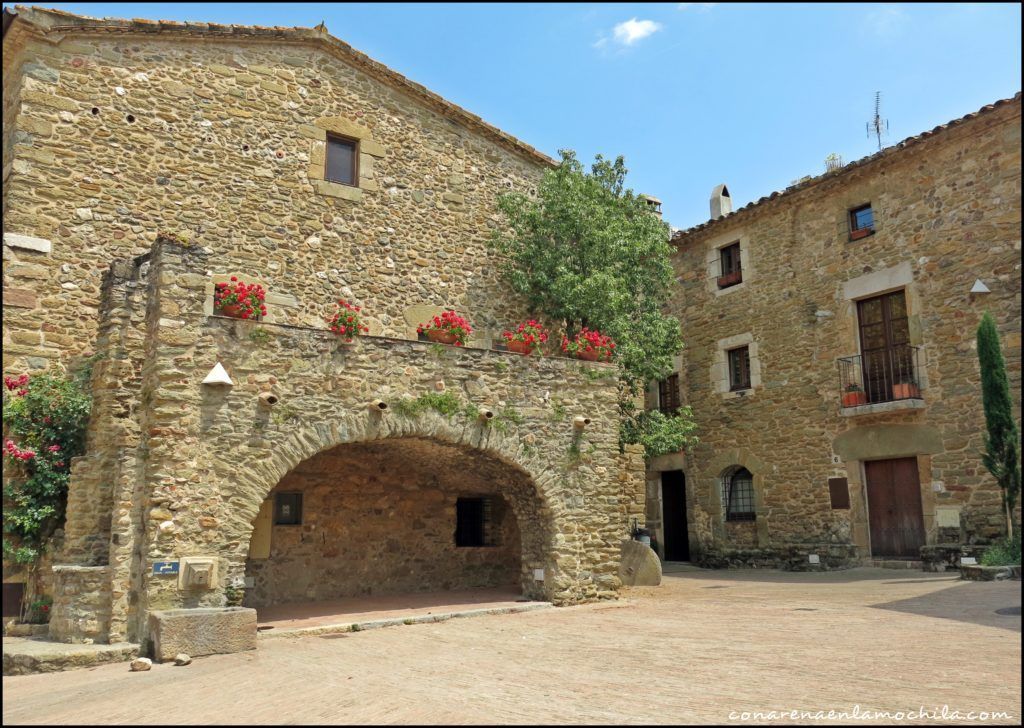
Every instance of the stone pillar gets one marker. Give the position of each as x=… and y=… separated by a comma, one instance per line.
x=81, y=604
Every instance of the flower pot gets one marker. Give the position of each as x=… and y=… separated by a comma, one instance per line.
x=588, y=355
x=861, y=233
x=730, y=279
x=519, y=347
x=906, y=390
x=441, y=336
x=232, y=310
x=854, y=399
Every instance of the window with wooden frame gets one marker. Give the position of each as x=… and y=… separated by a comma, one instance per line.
x=342, y=163
x=862, y=222
x=738, y=494
x=288, y=509
x=475, y=522
x=739, y=368
x=668, y=395
x=731, y=271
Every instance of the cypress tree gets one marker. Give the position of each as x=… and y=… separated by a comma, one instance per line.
x=1002, y=456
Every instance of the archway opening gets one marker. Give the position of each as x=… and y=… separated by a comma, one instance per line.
x=375, y=520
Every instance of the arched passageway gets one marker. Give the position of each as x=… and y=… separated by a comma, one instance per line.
x=395, y=516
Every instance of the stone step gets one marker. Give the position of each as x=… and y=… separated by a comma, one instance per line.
x=26, y=655
x=397, y=621
x=977, y=572
x=895, y=564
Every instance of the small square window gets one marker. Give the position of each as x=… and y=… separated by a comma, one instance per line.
x=341, y=166
x=731, y=270
x=862, y=222
x=739, y=368
x=288, y=509
x=474, y=522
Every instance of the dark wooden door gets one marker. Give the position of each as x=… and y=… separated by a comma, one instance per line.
x=673, y=508
x=894, y=508
x=884, y=344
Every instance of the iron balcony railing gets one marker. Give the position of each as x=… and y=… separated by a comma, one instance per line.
x=880, y=375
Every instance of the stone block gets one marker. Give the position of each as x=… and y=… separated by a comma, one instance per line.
x=639, y=565
x=202, y=631
x=19, y=298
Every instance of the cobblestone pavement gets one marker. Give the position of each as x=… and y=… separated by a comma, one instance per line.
x=702, y=645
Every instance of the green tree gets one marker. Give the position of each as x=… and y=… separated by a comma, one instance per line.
x=1002, y=455
x=587, y=252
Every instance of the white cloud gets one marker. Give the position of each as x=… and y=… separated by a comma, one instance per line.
x=633, y=30
x=886, y=22
x=702, y=7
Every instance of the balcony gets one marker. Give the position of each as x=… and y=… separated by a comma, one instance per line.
x=882, y=380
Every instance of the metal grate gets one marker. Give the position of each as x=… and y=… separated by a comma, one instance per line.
x=882, y=375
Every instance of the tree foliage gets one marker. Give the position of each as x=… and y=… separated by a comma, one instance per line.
x=1002, y=454
x=44, y=420
x=587, y=252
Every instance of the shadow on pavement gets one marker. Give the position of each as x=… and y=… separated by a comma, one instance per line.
x=974, y=602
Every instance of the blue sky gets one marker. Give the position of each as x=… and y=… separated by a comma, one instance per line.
x=692, y=94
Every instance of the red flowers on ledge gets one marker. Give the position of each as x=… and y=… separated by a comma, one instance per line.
x=526, y=337
x=346, y=321
x=448, y=328
x=238, y=299
x=589, y=345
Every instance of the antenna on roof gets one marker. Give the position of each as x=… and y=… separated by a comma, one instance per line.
x=878, y=125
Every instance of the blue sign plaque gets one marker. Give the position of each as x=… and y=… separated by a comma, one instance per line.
x=161, y=568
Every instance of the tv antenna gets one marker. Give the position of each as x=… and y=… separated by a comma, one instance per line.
x=878, y=126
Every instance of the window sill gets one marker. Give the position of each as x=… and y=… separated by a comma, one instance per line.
x=334, y=189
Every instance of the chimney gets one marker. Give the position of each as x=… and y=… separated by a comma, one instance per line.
x=653, y=204
x=721, y=203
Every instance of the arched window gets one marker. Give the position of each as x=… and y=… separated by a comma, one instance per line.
x=738, y=494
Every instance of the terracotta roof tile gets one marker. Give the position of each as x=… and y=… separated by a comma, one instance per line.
x=858, y=164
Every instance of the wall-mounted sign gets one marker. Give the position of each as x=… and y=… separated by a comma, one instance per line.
x=165, y=568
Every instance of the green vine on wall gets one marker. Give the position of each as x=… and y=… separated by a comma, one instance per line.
x=45, y=417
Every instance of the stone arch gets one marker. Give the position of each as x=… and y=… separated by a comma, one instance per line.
x=537, y=524
x=721, y=464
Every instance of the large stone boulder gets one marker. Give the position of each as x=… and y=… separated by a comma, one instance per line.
x=639, y=565
x=202, y=631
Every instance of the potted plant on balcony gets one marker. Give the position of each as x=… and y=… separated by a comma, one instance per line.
x=239, y=299
x=525, y=337
x=448, y=328
x=730, y=279
x=905, y=388
x=858, y=233
x=347, y=322
x=854, y=395
x=589, y=345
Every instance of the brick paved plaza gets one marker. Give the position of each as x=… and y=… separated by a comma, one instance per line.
x=693, y=650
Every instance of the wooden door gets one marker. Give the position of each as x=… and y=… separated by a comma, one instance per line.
x=894, y=508
x=884, y=343
x=673, y=509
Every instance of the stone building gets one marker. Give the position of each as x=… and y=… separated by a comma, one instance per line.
x=830, y=357
x=146, y=161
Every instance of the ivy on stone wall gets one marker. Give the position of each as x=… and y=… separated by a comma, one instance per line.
x=45, y=417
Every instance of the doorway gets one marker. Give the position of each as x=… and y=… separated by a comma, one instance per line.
x=895, y=516
x=673, y=507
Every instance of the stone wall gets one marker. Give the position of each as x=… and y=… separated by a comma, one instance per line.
x=380, y=519
x=206, y=457
x=217, y=136
x=947, y=212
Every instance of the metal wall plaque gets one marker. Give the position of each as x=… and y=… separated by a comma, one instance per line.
x=839, y=492
x=166, y=568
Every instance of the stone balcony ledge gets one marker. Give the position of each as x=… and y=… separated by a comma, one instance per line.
x=328, y=335
x=879, y=408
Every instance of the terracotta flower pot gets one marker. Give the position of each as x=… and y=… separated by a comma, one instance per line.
x=854, y=399
x=519, y=347
x=441, y=336
x=730, y=279
x=593, y=355
x=232, y=310
x=907, y=390
x=861, y=233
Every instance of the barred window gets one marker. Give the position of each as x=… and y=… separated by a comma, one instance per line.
x=738, y=494
x=475, y=522
x=668, y=395
x=739, y=368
